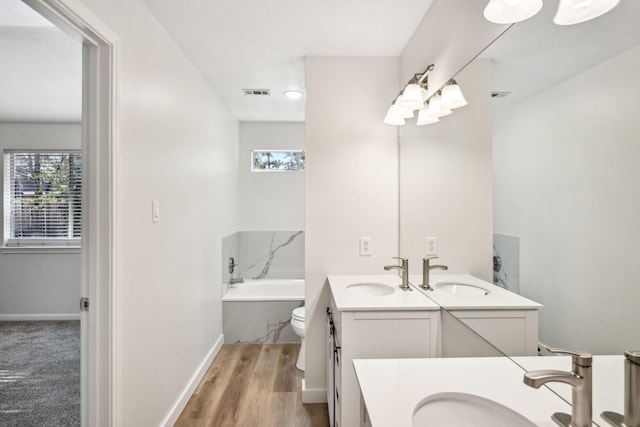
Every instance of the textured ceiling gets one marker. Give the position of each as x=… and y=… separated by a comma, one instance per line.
x=40, y=68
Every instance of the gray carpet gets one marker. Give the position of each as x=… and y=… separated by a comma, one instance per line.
x=40, y=374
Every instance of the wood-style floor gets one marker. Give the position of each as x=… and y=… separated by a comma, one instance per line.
x=251, y=385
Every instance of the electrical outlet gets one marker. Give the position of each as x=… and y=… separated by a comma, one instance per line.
x=432, y=246
x=365, y=246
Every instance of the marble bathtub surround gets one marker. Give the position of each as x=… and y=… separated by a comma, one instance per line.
x=264, y=255
x=258, y=322
x=507, y=248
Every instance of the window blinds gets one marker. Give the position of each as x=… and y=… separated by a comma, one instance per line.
x=43, y=198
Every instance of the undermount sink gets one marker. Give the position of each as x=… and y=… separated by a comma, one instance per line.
x=465, y=410
x=461, y=289
x=370, y=289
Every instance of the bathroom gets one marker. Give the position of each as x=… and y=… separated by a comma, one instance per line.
x=463, y=170
x=356, y=185
x=465, y=176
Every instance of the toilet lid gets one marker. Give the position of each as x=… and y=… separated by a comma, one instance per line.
x=298, y=314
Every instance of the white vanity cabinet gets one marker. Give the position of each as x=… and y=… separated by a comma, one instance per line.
x=513, y=332
x=380, y=334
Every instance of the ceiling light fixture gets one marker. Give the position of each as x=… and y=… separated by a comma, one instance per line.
x=569, y=11
x=414, y=97
x=510, y=11
x=293, y=94
x=576, y=11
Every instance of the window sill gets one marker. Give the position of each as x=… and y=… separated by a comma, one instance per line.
x=39, y=250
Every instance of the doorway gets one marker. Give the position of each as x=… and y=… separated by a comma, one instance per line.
x=97, y=135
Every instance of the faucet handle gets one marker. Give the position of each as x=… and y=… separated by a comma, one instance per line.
x=580, y=359
x=404, y=261
x=633, y=356
x=430, y=257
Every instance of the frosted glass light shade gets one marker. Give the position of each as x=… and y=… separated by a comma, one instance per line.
x=411, y=97
x=452, y=96
x=426, y=118
x=510, y=11
x=576, y=11
x=435, y=107
x=392, y=119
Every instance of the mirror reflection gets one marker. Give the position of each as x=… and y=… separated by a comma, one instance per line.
x=558, y=105
x=566, y=211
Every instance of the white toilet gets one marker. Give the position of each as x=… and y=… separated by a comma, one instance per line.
x=297, y=323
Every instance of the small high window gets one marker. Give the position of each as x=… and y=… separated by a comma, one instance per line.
x=277, y=160
x=42, y=198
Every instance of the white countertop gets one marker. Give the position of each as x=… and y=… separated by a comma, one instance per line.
x=608, y=380
x=497, y=299
x=398, y=300
x=393, y=387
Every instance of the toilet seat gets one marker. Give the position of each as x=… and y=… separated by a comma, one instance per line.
x=297, y=323
x=298, y=314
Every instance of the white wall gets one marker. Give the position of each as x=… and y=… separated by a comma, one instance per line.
x=351, y=184
x=450, y=35
x=270, y=201
x=566, y=182
x=41, y=284
x=176, y=142
x=445, y=182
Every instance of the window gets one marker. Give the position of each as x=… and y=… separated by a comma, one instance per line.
x=42, y=198
x=277, y=161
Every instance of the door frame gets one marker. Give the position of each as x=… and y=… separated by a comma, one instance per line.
x=99, y=134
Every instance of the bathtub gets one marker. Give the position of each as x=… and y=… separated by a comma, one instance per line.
x=259, y=311
x=266, y=290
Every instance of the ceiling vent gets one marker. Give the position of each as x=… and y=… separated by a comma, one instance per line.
x=257, y=92
x=500, y=94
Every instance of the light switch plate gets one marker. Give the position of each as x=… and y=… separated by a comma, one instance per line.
x=155, y=211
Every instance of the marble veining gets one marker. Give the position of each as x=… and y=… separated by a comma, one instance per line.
x=258, y=322
x=507, y=248
x=264, y=255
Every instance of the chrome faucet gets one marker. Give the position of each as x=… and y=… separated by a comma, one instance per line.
x=426, y=268
x=631, y=417
x=579, y=379
x=404, y=272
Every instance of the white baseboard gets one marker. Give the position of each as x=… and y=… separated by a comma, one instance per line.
x=315, y=395
x=25, y=317
x=177, y=408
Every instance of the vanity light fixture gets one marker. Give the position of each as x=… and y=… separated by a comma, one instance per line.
x=510, y=11
x=409, y=99
x=293, y=94
x=576, y=11
x=414, y=97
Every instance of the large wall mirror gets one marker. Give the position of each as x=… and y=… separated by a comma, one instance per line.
x=565, y=159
